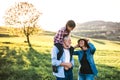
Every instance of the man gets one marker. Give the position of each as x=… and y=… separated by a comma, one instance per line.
x=65, y=64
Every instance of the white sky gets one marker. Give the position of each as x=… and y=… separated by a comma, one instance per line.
x=57, y=12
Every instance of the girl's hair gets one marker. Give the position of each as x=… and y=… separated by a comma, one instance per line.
x=71, y=24
x=86, y=42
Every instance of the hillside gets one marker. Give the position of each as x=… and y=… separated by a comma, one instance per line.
x=98, y=29
x=18, y=32
x=18, y=62
x=4, y=32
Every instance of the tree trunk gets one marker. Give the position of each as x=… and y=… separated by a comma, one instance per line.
x=28, y=40
x=27, y=36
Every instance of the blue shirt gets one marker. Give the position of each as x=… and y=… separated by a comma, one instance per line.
x=56, y=62
x=89, y=54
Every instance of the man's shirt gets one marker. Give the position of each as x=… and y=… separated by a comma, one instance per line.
x=67, y=55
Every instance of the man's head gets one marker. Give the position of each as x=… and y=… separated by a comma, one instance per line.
x=70, y=25
x=66, y=42
x=83, y=43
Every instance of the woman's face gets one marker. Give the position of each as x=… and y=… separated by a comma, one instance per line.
x=81, y=43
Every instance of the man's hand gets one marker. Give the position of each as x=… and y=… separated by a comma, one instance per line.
x=66, y=65
x=69, y=65
x=66, y=68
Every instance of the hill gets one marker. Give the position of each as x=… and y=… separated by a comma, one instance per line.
x=98, y=29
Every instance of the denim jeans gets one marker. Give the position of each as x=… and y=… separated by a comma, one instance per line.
x=68, y=75
x=86, y=77
x=58, y=78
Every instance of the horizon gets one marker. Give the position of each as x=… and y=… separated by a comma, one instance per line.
x=57, y=13
x=81, y=23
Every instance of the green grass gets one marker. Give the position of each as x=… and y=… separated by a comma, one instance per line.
x=18, y=62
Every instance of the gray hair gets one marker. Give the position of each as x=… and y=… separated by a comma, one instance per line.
x=66, y=37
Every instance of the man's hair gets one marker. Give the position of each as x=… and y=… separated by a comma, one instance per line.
x=71, y=23
x=86, y=42
x=65, y=37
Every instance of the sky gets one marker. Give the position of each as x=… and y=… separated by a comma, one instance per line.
x=55, y=13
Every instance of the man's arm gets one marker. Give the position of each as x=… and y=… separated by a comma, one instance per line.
x=72, y=62
x=54, y=57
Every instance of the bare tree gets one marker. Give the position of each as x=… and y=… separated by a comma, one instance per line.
x=24, y=15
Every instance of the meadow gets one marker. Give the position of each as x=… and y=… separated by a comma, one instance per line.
x=18, y=62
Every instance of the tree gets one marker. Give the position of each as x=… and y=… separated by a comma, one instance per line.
x=24, y=15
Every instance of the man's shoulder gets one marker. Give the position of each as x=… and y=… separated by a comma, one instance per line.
x=55, y=48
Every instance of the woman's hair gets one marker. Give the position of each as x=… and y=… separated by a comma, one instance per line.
x=86, y=42
x=71, y=24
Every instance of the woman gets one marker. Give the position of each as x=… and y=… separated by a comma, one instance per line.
x=88, y=68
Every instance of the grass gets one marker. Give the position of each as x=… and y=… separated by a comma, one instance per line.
x=18, y=62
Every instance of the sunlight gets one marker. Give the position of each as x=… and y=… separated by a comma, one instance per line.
x=56, y=13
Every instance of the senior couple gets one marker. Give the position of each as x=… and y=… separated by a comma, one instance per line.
x=63, y=62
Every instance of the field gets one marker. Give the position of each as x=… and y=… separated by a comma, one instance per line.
x=18, y=62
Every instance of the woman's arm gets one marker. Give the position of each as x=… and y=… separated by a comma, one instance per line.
x=76, y=53
x=92, y=48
